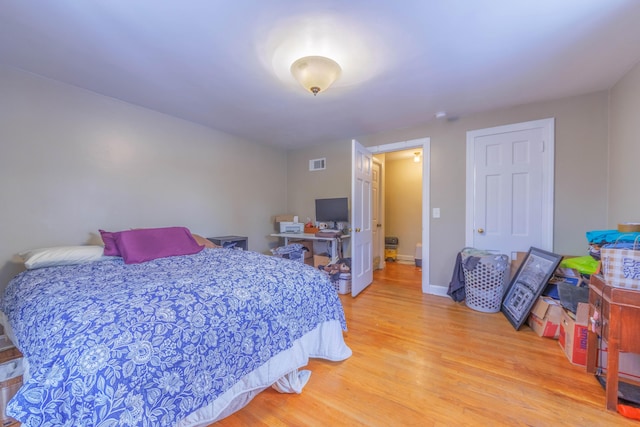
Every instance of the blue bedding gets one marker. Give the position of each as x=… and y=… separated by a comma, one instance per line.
x=111, y=344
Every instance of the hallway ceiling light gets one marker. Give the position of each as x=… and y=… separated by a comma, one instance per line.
x=416, y=157
x=315, y=73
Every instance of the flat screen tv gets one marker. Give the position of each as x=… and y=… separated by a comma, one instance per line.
x=332, y=210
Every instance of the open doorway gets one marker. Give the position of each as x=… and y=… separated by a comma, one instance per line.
x=425, y=145
x=357, y=209
x=397, y=207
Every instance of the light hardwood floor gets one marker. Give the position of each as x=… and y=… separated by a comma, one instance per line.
x=423, y=360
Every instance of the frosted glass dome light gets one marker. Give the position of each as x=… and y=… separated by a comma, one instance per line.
x=315, y=73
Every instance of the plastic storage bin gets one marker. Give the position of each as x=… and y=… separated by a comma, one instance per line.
x=343, y=284
x=485, y=275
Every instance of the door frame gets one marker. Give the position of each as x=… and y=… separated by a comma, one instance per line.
x=548, y=167
x=425, y=145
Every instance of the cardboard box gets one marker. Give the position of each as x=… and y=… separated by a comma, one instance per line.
x=515, y=263
x=320, y=260
x=285, y=218
x=308, y=254
x=573, y=334
x=545, y=317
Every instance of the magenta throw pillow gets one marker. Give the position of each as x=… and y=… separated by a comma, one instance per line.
x=146, y=244
x=110, y=247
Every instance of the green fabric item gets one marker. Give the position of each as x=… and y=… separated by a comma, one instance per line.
x=584, y=264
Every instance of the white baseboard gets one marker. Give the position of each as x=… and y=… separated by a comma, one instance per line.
x=406, y=259
x=438, y=290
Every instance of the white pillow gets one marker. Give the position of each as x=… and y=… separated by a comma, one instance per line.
x=61, y=255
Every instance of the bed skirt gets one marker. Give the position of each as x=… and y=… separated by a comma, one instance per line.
x=324, y=342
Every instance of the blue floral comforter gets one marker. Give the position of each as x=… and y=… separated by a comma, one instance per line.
x=110, y=344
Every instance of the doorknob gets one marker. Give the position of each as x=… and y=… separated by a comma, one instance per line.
x=379, y=225
x=357, y=230
x=480, y=230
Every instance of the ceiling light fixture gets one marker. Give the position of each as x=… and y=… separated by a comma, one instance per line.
x=416, y=157
x=315, y=73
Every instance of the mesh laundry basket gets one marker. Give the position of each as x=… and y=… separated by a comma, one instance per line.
x=485, y=276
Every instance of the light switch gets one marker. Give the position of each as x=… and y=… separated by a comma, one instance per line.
x=436, y=212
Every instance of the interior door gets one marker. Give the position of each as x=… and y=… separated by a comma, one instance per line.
x=510, y=187
x=361, y=233
x=376, y=214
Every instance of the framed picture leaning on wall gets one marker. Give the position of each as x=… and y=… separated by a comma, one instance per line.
x=527, y=284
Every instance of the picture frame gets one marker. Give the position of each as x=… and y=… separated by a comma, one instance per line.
x=527, y=284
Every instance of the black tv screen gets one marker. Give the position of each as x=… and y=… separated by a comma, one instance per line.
x=332, y=209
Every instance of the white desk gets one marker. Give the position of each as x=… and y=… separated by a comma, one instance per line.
x=335, y=241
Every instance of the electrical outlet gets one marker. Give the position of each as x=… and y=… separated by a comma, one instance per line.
x=436, y=212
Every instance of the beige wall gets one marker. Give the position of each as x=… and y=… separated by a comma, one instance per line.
x=72, y=162
x=403, y=204
x=580, y=163
x=624, y=150
x=304, y=186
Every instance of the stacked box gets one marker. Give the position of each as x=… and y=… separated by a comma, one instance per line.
x=320, y=260
x=545, y=317
x=573, y=334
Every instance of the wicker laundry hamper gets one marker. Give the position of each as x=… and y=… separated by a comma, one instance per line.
x=485, y=275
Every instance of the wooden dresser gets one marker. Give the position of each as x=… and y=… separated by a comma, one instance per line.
x=614, y=315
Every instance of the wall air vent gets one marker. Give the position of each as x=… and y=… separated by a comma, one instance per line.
x=318, y=164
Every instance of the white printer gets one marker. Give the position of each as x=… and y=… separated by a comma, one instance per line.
x=291, y=227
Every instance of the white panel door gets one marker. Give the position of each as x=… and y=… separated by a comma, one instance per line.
x=376, y=220
x=361, y=233
x=508, y=185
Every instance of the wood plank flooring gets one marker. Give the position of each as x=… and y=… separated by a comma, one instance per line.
x=423, y=360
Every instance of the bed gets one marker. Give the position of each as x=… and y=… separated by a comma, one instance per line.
x=180, y=340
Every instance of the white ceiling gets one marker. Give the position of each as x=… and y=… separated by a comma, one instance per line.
x=224, y=64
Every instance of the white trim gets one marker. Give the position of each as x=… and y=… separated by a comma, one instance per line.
x=406, y=259
x=425, y=144
x=440, y=291
x=548, y=168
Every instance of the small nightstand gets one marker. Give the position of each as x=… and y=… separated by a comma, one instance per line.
x=240, y=242
x=10, y=377
x=618, y=314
